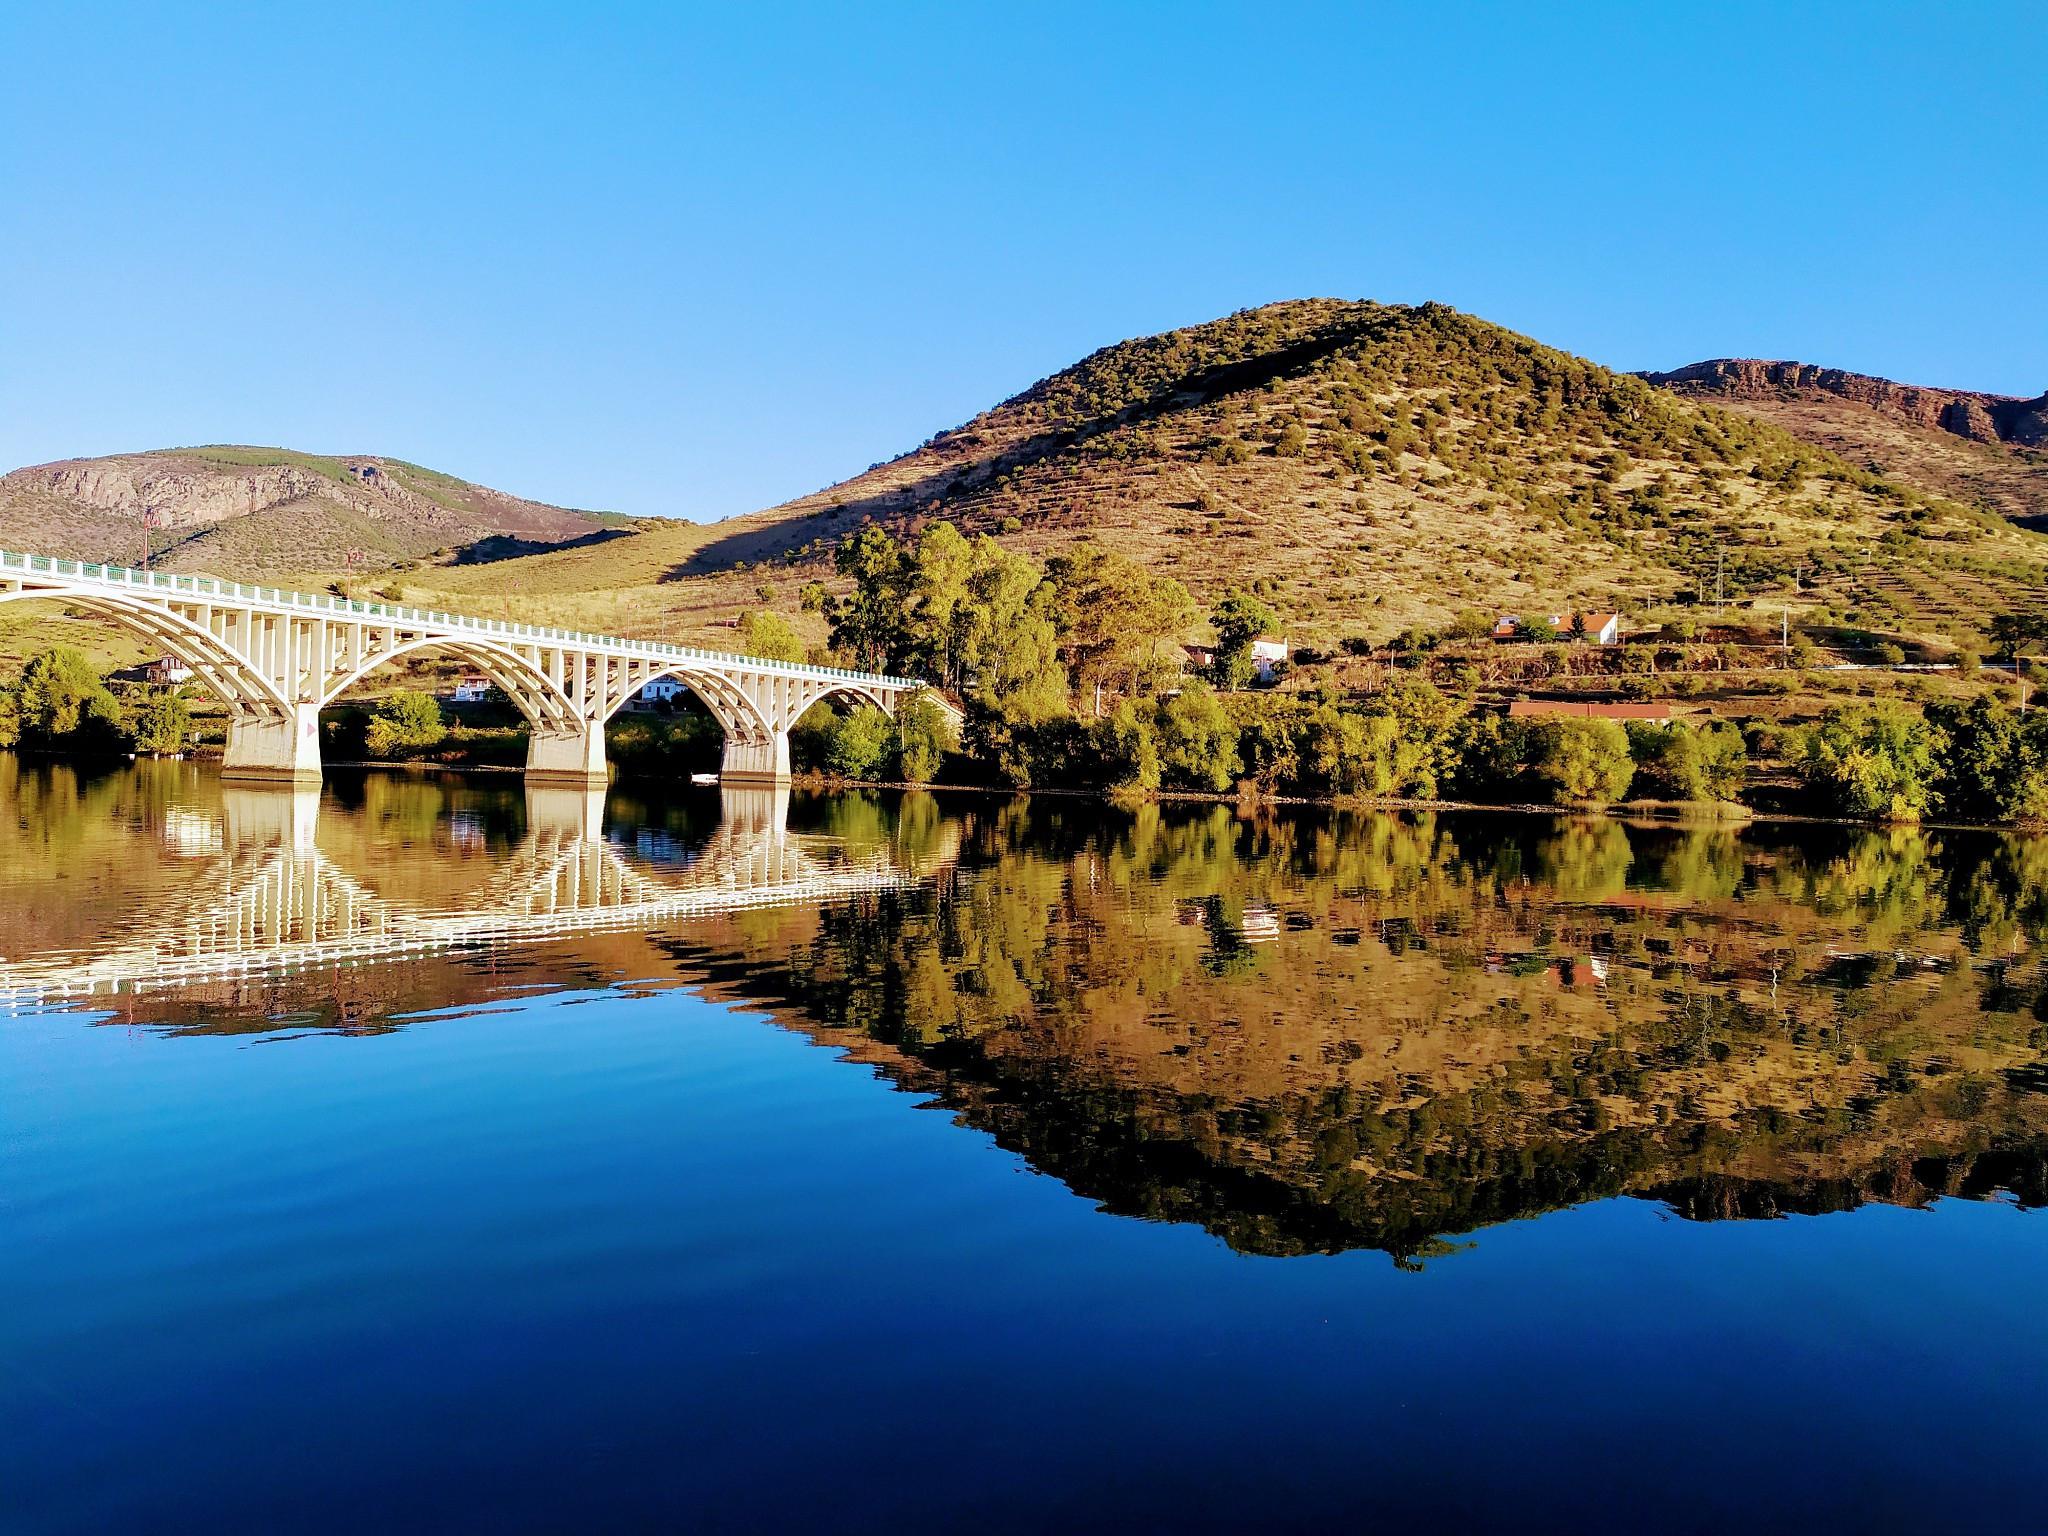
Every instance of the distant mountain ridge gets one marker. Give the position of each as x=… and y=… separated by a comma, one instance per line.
x=1969, y=444
x=1980, y=417
x=267, y=512
x=1365, y=468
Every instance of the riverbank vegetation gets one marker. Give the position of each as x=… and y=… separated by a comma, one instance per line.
x=62, y=705
x=1071, y=675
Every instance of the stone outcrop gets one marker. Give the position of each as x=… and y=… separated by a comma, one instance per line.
x=1972, y=414
x=180, y=496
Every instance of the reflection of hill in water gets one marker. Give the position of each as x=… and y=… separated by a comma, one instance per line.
x=1306, y=1033
x=1313, y=1036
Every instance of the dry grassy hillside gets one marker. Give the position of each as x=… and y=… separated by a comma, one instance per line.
x=1944, y=441
x=1367, y=467
x=265, y=513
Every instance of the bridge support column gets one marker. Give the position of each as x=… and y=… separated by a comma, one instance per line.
x=572, y=759
x=275, y=749
x=762, y=760
x=564, y=813
x=270, y=816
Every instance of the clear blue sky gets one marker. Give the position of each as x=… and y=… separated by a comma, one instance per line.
x=692, y=261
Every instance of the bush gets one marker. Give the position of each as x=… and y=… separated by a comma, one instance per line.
x=924, y=737
x=1994, y=761
x=768, y=635
x=158, y=719
x=1692, y=762
x=407, y=721
x=859, y=743
x=668, y=747
x=1197, y=742
x=1126, y=743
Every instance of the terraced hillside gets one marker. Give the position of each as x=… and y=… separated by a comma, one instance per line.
x=1367, y=467
x=267, y=513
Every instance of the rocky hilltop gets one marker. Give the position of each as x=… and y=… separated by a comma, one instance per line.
x=1972, y=414
x=267, y=511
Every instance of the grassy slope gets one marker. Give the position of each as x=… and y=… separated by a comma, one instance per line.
x=2009, y=480
x=1368, y=467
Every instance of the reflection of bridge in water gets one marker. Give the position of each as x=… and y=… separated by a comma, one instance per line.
x=274, y=901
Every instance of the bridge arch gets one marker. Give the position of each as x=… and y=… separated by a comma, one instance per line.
x=736, y=712
x=221, y=668
x=532, y=691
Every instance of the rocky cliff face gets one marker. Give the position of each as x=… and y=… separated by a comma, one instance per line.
x=1963, y=413
x=179, y=496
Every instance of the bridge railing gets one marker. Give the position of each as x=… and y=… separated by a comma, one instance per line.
x=214, y=586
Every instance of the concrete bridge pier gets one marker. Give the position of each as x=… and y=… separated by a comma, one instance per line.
x=274, y=749
x=762, y=758
x=567, y=757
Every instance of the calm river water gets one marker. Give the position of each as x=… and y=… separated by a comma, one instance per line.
x=424, y=1154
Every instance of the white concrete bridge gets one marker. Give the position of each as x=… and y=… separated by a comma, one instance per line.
x=276, y=658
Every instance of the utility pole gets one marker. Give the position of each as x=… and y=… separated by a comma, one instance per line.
x=1720, y=558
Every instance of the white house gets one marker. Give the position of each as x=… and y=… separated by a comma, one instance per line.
x=1268, y=653
x=1601, y=628
x=473, y=688
x=663, y=690
x=164, y=672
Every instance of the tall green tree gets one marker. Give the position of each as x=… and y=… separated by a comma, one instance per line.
x=1879, y=760
x=1238, y=618
x=1010, y=652
x=868, y=621
x=64, y=705
x=1120, y=625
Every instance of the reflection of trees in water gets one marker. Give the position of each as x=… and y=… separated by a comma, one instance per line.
x=1460, y=1020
